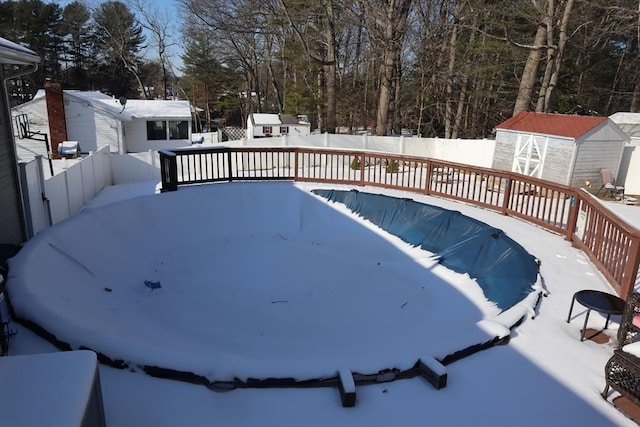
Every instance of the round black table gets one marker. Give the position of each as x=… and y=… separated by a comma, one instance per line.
x=599, y=301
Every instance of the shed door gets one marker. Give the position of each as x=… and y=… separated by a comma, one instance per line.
x=529, y=156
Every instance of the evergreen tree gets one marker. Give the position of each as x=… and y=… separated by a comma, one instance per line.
x=78, y=44
x=119, y=40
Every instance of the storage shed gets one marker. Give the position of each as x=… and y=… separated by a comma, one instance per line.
x=261, y=125
x=566, y=149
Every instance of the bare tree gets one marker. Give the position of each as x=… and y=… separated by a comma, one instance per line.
x=158, y=24
x=387, y=24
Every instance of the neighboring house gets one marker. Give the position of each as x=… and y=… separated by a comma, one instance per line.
x=95, y=120
x=260, y=125
x=13, y=229
x=567, y=149
x=629, y=176
x=630, y=124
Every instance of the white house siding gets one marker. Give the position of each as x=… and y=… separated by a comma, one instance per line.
x=136, y=136
x=89, y=126
x=11, y=227
x=36, y=112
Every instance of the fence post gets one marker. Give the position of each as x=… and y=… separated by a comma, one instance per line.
x=296, y=153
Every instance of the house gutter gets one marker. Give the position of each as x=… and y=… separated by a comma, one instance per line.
x=11, y=53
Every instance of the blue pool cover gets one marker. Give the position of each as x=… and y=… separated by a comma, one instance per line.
x=505, y=271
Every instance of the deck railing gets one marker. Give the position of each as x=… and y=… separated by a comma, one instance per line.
x=611, y=244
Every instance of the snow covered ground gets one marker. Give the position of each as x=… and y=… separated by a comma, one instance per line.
x=544, y=376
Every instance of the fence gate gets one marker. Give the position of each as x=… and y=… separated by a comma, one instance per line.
x=529, y=156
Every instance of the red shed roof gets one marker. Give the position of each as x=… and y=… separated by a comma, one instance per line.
x=566, y=125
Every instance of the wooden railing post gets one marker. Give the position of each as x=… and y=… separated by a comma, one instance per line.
x=573, y=216
x=427, y=184
x=508, y=188
x=631, y=270
x=362, y=161
x=229, y=165
x=168, y=170
x=296, y=163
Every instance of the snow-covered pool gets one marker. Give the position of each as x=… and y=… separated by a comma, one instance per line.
x=243, y=280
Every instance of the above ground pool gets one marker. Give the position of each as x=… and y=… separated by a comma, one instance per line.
x=270, y=284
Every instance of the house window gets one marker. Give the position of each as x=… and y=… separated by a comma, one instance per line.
x=284, y=130
x=161, y=130
x=178, y=129
x=266, y=130
x=156, y=130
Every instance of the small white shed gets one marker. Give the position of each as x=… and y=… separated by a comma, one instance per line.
x=261, y=125
x=562, y=148
x=95, y=120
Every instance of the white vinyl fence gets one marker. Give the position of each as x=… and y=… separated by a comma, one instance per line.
x=56, y=198
x=475, y=152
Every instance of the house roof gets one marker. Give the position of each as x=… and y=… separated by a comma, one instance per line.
x=102, y=102
x=260, y=119
x=570, y=126
x=134, y=108
x=628, y=122
x=161, y=109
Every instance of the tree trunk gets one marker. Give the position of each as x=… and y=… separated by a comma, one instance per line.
x=386, y=77
x=562, y=43
x=330, y=66
x=394, y=20
x=530, y=72
x=453, y=40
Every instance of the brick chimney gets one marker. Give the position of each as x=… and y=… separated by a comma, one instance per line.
x=57, y=120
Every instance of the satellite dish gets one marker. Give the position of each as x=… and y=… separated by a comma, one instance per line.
x=123, y=102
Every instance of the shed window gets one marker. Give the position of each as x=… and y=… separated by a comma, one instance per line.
x=266, y=130
x=284, y=130
x=156, y=130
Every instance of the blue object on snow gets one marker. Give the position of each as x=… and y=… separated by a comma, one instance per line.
x=152, y=284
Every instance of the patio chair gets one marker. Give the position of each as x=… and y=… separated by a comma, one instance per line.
x=609, y=186
x=622, y=371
